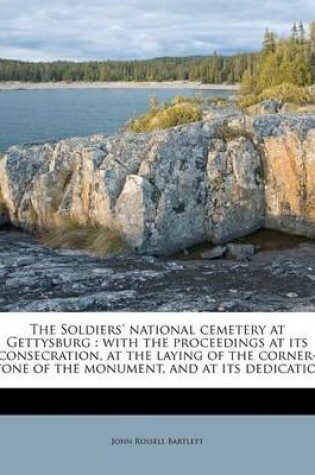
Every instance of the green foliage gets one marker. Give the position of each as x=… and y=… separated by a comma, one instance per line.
x=178, y=112
x=312, y=36
x=248, y=100
x=199, y=100
x=196, y=100
x=286, y=92
x=282, y=61
x=248, y=83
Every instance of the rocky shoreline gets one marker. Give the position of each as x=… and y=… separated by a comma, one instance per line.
x=12, y=86
x=39, y=279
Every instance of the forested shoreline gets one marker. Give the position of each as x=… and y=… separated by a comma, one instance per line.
x=214, y=69
x=281, y=60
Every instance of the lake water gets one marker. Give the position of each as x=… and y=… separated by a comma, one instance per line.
x=28, y=116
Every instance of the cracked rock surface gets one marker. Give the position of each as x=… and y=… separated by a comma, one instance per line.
x=215, y=180
x=36, y=278
x=165, y=191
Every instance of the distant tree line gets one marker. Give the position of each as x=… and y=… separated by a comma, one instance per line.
x=283, y=61
x=213, y=69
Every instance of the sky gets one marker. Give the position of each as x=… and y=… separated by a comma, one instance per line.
x=138, y=29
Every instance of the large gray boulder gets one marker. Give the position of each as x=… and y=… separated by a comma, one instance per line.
x=214, y=181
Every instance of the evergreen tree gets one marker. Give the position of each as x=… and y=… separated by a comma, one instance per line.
x=248, y=85
x=312, y=37
x=269, y=43
x=294, y=33
x=312, y=48
x=301, y=33
x=283, y=61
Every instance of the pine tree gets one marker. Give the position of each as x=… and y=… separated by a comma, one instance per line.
x=301, y=33
x=312, y=48
x=269, y=43
x=312, y=37
x=294, y=33
x=248, y=85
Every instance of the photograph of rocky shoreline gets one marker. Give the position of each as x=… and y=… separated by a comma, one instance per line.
x=205, y=202
x=157, y=196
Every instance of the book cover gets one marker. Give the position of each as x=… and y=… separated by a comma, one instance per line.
x=157, y=225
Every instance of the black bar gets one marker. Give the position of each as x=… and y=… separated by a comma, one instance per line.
x=157, y=401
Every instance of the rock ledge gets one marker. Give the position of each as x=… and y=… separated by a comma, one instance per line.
x=214, y=181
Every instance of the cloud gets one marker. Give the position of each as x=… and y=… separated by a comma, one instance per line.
x=102, y=29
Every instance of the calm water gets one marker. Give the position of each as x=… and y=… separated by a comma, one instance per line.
x=31, y=116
